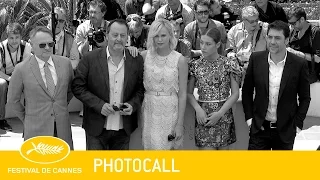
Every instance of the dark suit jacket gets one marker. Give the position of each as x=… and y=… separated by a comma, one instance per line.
x=294, y=82
x=91, y=86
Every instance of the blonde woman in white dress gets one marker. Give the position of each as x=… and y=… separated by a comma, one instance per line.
x=165, y=82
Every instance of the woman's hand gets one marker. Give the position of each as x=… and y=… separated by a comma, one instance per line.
x=201, y=116
x=178, y=132
x=213, y=118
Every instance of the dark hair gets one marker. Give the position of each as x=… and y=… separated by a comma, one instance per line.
x=214, y=33
x=98, y=3
x=119, y=21
x=37, y=29
x=201, y=3
x=14, y=28
x=297, y=12
x=280, y=26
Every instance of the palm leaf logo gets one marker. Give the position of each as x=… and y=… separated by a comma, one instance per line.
x=45, y=149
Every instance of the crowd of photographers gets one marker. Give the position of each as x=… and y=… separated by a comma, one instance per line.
x=237, y=40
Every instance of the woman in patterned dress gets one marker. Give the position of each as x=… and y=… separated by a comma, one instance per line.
x=165, y=82
x=214, y=76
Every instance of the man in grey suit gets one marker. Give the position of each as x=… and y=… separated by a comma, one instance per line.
x=45, y=80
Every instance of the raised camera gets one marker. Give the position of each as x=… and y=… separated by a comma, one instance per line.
x=96, y=36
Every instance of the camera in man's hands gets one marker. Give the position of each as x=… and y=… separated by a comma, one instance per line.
x=121, y=108
x=96, y=36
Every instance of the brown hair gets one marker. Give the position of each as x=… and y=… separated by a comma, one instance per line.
x=214, y=33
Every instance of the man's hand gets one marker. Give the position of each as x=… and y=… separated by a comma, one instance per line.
x=133, y=51
x=127, y=111
x=107, y=109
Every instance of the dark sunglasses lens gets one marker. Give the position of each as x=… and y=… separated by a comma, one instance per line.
x=51, y=44
x=42, y=45
x=128, y=19
x=61, y=21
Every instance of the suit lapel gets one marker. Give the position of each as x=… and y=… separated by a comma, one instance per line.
x=104, y=67
x=127, y=69
x=57, y=66
x=285, y=74
x=265, y=70
x=36, y=72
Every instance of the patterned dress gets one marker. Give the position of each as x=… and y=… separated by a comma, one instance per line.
x=214, y=84
x=160, y=113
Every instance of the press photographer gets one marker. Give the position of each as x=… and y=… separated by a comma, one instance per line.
x=64, y=45
x=91, y=33
x=177, y=11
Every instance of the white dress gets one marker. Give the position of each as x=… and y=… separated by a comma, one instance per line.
x=160, y=113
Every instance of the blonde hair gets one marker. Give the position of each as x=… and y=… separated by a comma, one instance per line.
x=249, y=11
x=156, y=26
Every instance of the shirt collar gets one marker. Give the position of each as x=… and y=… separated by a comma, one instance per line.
x=41, y=62
x=108, y=54
x=281, y=62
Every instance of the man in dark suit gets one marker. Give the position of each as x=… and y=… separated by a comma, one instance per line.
x=109, y=83
x=276, y=77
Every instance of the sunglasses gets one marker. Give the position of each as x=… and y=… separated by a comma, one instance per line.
x=206, y=12
x=294, y=23
x=133, y=18
x=43, y=45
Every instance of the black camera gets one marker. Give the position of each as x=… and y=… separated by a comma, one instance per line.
x=121, y=108
x=96, y=36
x=171, y=137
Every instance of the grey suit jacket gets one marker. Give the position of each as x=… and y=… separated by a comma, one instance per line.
x=41, y=110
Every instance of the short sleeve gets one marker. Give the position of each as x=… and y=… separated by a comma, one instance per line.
x=234, y=68
x=192, y=67
x=185, y=48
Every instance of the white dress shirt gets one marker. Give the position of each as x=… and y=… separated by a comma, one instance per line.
x=52, y=70
x=275, y=75
x=116, y=79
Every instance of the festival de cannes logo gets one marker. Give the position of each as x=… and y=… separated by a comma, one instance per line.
x=44, y=150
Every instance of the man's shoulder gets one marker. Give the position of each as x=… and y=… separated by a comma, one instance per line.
x=22, y=65
x=190, y=25
x=61, y=59
x=69, y=34
x=217, y=23
x=296, y=59
x=186, y=8
x=275, y=5
x=259, y=54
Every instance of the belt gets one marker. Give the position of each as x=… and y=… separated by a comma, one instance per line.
x=213, y=101
x=160, y=93
x=269, y=124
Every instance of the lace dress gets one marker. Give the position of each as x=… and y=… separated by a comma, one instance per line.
x=214, y=84
x=160, y=112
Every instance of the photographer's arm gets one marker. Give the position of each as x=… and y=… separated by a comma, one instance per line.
x=81, y=40
x=150, y=8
